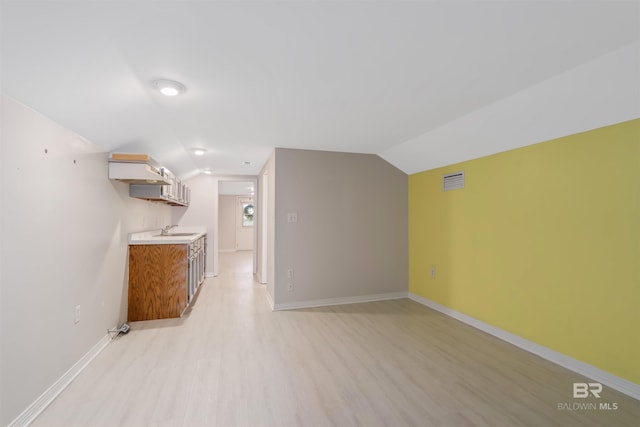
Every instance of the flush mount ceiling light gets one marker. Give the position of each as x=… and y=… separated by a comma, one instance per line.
x=207, y=171
x=198, y=151
x=169, y=87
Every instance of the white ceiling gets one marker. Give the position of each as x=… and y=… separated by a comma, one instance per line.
x=236, y=188
x=359, y=76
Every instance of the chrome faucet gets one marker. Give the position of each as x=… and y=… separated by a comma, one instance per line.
x=165, y=230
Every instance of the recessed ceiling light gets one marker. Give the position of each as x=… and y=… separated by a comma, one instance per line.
x=207, y=171
x=169, y=87
x=246, y=163
x=199, y=151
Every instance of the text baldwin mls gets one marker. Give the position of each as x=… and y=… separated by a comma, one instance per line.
x=582, y=391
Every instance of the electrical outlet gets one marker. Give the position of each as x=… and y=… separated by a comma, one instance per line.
x=433, y=272
x=290, y=285
x=77, y=314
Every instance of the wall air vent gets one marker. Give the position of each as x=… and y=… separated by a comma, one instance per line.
x=453, y=181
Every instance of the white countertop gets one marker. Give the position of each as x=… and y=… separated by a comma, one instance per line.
x=153, y=237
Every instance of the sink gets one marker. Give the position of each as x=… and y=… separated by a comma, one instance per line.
x=175, y=235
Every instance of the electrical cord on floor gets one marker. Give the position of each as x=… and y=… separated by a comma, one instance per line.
x=122, y=330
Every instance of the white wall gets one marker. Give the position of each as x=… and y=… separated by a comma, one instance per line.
x=64, y=230
x=227, y=227
x=203, y=211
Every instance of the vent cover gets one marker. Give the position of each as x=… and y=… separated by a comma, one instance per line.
x=453, y=181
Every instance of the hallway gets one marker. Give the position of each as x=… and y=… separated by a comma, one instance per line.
x=231, y=361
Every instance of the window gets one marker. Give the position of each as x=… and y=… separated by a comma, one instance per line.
x=247, y=214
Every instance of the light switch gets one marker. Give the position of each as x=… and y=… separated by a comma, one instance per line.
x=292, y=217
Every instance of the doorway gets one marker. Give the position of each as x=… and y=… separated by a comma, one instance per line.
x=237, y=216
x=244, y=216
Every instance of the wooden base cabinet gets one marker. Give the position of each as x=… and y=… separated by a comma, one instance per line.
x=157, y=281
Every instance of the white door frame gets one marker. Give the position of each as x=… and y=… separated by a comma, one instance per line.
x=263, y=209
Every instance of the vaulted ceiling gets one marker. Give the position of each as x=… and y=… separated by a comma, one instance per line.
x=359, y=76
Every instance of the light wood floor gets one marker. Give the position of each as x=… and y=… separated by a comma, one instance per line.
x=233, y=362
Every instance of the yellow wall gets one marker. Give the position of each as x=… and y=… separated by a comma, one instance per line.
x=543, y=242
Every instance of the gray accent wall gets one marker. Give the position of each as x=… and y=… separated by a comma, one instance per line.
x=351, y=236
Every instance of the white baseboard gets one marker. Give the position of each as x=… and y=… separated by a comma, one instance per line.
x=269, y=299
x=261, y=280
x=623, y=386
x=28, y=415
x=338, y=301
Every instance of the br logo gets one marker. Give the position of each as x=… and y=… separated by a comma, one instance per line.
x=583, y=390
